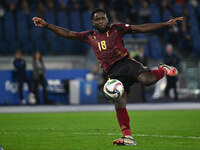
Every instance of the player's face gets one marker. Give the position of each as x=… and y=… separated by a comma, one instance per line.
x=37, y=56
x=100, y=21
x=18, y=55
x=169, y=49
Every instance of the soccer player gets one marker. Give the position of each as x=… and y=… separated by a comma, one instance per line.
x=107, y=44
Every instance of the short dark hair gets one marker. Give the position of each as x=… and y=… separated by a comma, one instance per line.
x=95, y=10
x=34, y=56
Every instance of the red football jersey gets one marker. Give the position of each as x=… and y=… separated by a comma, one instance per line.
x=108, y=47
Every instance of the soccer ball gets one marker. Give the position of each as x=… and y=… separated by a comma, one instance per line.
x=113, y=89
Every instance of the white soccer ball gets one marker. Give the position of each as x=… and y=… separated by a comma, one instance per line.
x=113, y=89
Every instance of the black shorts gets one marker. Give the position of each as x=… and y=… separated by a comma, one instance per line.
x=127, y=71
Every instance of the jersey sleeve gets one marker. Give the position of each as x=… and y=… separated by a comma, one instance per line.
x=123, y=28
x=82, y=36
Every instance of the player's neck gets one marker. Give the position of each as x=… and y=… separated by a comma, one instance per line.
x=102, y=31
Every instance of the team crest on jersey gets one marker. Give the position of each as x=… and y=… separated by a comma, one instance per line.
x=127, y=25
x=107, y=33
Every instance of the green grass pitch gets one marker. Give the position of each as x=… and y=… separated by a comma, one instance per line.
x=153, y=130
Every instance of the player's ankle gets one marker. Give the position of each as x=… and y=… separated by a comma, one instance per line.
x=128, y=136
x=165, y=70
x=126, y=132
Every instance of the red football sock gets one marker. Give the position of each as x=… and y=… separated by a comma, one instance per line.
x=159, y=73
x=123, y=119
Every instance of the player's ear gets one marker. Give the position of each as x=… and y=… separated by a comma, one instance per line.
x=92, y=22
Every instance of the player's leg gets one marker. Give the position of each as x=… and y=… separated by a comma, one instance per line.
x=137, y=71
x=124, y=71
x=167, y=88
x=122, y=115
x=175, y=88
x=28, y=83
x=146, y=78
x=171, y=84
x=43, y=83
x=151, y=77
x=36, y=86
x=31, y=95
x=20, y=90
x=124, y=122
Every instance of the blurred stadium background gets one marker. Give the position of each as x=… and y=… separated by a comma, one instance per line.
x=73, y=77
x=69, y=61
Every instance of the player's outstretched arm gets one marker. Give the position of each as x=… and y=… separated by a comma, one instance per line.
x=58, y=30
x=154, y=26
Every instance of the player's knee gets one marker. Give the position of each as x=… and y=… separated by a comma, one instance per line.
x=147, y=81
x=119, y=104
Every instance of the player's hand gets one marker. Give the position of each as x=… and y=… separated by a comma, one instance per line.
x=39, y=22
x=174, y=21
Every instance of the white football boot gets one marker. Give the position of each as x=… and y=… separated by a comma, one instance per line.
x=171, y=71
x=127, y=141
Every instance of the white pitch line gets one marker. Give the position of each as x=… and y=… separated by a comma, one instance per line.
x=144, y=135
